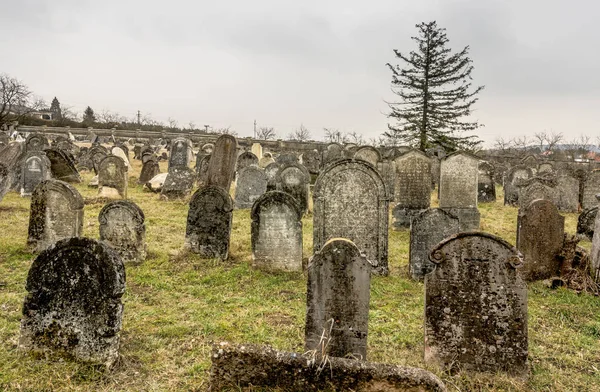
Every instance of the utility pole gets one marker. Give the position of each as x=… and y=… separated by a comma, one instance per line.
x=255, y=129
x=139, y=115
x=206, y=128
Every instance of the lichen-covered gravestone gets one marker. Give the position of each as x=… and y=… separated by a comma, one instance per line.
x=427, y=230
x=595, y=251
x=512, y=179
x=311, y=159
x=294, y=179
x=350, y=201
x=73, y=308
x=369, y=154
x=112, y=178
x=337, y=300
x=221, y=166
x=62, y=165
x=202, y=169
x=568, y=192
x=412, y=187
x=149, y=169
x=35, y=169
x=245, y=160
x=96, y=154
x=476, y=306
x=591, y=188
x=586, y=222
x=36, y=142
x=178, y=183
x=332, y=152
x=286, y=157
x=56, y=213
x=486, y=187
x=271, y=171
x=122, y=226
x=538, y=188
x=251, y=184
x=458, y=188
x=9, y=158
x=180, y=154
x=276, y=232
x=209, y=222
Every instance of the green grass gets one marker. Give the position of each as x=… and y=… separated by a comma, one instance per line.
x=177, y=305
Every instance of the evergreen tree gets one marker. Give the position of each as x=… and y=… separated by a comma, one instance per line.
x=435, y=91
x=55, y=109
x=88, y=116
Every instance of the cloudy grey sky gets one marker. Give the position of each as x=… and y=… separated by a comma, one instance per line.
x=320, y=63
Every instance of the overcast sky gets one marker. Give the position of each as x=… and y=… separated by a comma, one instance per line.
x=319, y=63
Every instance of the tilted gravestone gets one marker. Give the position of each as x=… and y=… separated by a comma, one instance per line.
x=486, y=187
x=112, y=178
x=276, y=232
x=538, y=188
x=337, y=300
x=586, y=222
x=250, y=185
x=149, y=169
x=271, y=172
x=56, y=213
x=178, y=183
x=73, y=308
x=412, y=187
x=209, y=222
x=36, y=142
x=427, y=230
x=122, y=226
x=62, y=165
x=540, y=237
x=35, y=169
x=512, y=180
x=350, y=201
x=369, y=154
x=121, y=152
x=97, y=153
x=246, y=159
x=458, y=188
x=294, y=179
x=180, y=153
x=222, y=162
x=591, y=188
x=476, y=306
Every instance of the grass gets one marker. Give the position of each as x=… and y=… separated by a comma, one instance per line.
x=177, y=306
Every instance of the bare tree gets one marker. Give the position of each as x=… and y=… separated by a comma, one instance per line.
x=191, y=126
x=553, y=139
x=266, y=133
x=172, y=123
x=501, y=144
x=541, y=138
x=301, y=134
x=225, y=131
x=355, y=137
x=334, y=136
x=16, y=100
x=109, y=118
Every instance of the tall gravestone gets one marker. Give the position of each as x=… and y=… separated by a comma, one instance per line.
x=122, y=226
x=369, y=154
x=178, y=183
x=412, y=187
x=294, y=179
x=350, y=201
x=149, y=169
x=10, y=155
x=73, y=307
x=387, y=169
x=180, y=153
x=486, y=187
x=568, y=192
x=112, y=178
x=209, y=222
x=202, y=169
x=56, y=213
x=337, y=300
x=62, y=165
x=35, y=169
x=251, y=184
x=427, y=230
x=595, y=251
x=311, y=159
x=276, y=232
x=591, y=188
x=458, y=188
x=222, y=162
x=245, y=160
x=476, y=306
x=271, y=172
x=514, y=177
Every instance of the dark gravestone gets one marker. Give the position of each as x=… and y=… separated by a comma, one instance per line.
x=149, y=170
x=311, y=159
x=427, y=230
x=56, y=213
x=180, y=154
x=251, y=184
x=209, y=222
x=286, y=158
x=112, y=178
x=137, y=151
x=369, y=154
x=595, y=251
x=202, y=172
x=350, y=202
x=222, y=162
x=476, y=306
x=36, y=142
x=122, y=226
x=337, y=300
x=294, y=179
x=73, y=308
x=276, y=232
x=178, y=184
x=586, y=222
x=35, y=169
x=245, y=160
x=513, y=179
x=271, y=172
x=62, y=165
x=97, y=153
x=540, y=236
x=412, y=187
x=486, y=187
x=568, y=192
x=591, y=188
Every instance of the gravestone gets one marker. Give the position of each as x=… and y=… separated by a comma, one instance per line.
x=36, y=142
x=271, y=172
x=137, y=151
x=178, y=183
x=412, y=187
x=586, y=222
x=276, y=232
x=530, y=161
x=476, y=306
x=545, y=167
x=387, y=169
x=156, y=183
x=222, y=162
x=56, y=213
x=208, y=148
x=427, y=230
x=349, y=150
x=337, y=300
x=458, y=188
x=369, y=154
x=537, y=188
x=73, y=307
x=122, y=153
x=591, y=188
x=122, y=226
x=257, y=150
x=436, y=167
x=246, y=159
x=540, y=236
x=202, y=169
x=97, y=153
x=209, y=222
x=265, y=161
x=112, y=178
x=568, y=192
x=514, y=177
x=35, y=169
x=286, y=157
x=149, y=169
x=251, y=184
x=294, y=179
x=350, y=202
x=595, y=251
x=332, y=152
x=10, y=156
x=180, y=153
x=486, y=187
x=311, y=159
x=62, y=165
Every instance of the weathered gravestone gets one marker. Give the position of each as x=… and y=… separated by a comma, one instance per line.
x=271, y=172
x=73, y=308
x=122, y=226
x=265, y=161
x=180, y=153
x=349, y=150
x=112, y=178
x=294, y=179
x=257, y=150
x=9, y=159
x=97, y=153
x=332, y=152
x=412, y=187
x=486, y=187
x=568, y=192
x=311, y=159
x=35, y=169
x=149, y=169
x=369, y=154
x=62, y=165
x=250, y=185
x=337, y=300
x=222, y=163
x=156, y=183
x=514, y=177
x=427, y=230
x=121, y=152
x=387, y=169
x=245, y=160
x=436, y=167
x=458, y=188
x=595, y=251
x=286, y=157
x=178, y=183
x=538, y=188
x=586, y=222
x=476, y=306
x=545, y=167
x=350, y=201
x=540, y=237
x=591, y=188
x=36, y=142
x=209, y=222
x=56, y=213
x=276, y=232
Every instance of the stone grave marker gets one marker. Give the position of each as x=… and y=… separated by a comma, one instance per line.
x=538, y=188
x=271, y=172
x=545, y=167
x=178, y=183
x=412, y=187
x=251, y=184
x=586, y=222
x=265, y=161
x=257, y=150
x=332, y=152
x=311, y=159
x=222, y=163
x=149, y=169
x=10, y=156
x=246, y=159
x=486, y=187
x=458, y=188
x=62, y=165
x=369, y=154
x=514, y=177
x=591, y=188
x=568, y=192
x=112, y=178
x=35, y=169
x=286, y=157
x=122, y=226
x=36, y=142
x=595, y=251
x=180, y=153
x=294, y=179
x=121, y=152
